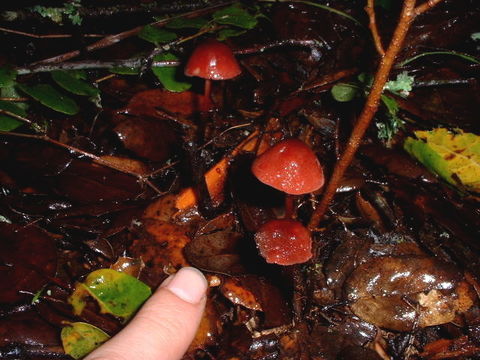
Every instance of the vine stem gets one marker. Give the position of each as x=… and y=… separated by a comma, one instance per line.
x=407, y=15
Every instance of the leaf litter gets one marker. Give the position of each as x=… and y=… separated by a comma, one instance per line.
x=394, y=266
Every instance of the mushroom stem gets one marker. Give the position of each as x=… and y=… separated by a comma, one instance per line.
x=208, y=88
x=289, y=206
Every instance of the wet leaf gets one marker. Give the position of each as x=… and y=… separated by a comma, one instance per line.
x=159, y=241
x=453, y=156
x=80, y=339
x=28, y=258
x=187, y=23
x=128, y=265
x=397, y=292
x=185, y=103
x=51, y=98
x=236, y=16
x=73, y=84
x=215, y=247
x=8, y=123
x=227, y=33
x=344, y=92
x=170, y=77
x=117, y=293
x=27, y=327
x=7, y=76
x=155, y=35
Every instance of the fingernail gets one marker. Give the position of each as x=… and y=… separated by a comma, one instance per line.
x=188, y=284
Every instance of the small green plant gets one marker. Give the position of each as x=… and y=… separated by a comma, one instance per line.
x=401, y=86
x=70, y=10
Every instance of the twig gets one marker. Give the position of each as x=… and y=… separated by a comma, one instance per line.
x=96, y=159
x=407, y=16
x=314, y=46
x=18, y=117
x=420, y=9
x=113, y=39
x=49, y=36
x=327, y=80
x=14, y=99
x=92, y=64
x=377, y=40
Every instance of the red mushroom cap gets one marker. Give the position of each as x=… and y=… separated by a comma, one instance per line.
x=284, y=242
x=212, y=60
x=290, y=166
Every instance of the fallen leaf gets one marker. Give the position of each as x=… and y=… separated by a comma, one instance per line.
x=146, y=102
x=117, y=293
x=80, y=339
x=453, y=156
x=28, y=259
x=398, y=292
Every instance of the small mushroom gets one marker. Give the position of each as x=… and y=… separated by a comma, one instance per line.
x=289, y=166
x=292, y=167
x=284, y=242
x=212, y=60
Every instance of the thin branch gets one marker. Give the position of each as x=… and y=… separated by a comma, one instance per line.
x=371, y=106
x=377, y=40
x=49, y=36
x=420, y=9
x=14, y=99
x=92, y=64
x=113, y=39
x=313, y=45
x=95, y=158
x=18, y=117
x=327, y=80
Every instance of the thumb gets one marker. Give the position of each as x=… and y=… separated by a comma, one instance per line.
x=165, y=325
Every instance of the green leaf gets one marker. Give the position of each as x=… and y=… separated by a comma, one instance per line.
x=344, y=92
x=169, y=76
x=402, y=85
x=123, y=70
x=7, y=76
x=236, y=16
x=475, y=36
x=48, y=96
x=449, y=53
x=117, y=293
x=226, y=33
x=455, y=157
x=79, y=339
x=8, y=123
x=388, y=128
x=155, y=35
x=185, y=23
x=73, y=84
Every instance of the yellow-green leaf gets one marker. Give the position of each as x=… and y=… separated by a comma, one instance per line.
x=454, y=156
x=80, y=339
x=117, y=293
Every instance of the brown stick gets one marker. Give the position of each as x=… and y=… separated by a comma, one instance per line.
x=47, y=36
x=420, y=9
x=408, y=14
x=377, y=40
